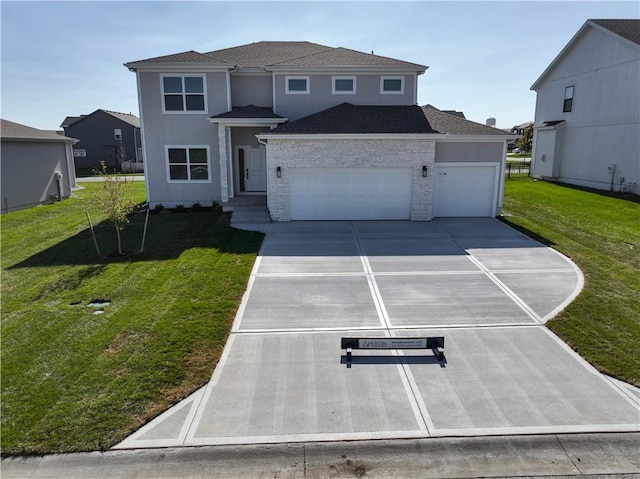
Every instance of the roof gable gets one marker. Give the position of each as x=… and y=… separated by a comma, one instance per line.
x=627, y=31
x=125, y=117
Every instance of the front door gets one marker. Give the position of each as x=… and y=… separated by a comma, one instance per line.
x=255, y=173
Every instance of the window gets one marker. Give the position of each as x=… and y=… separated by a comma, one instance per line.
x=183, y=94
x=188, y=163
x=343, y=85
x=390, y=85
x=297, y=85
x=568, y=99
x=117, y=134
x=79, y=152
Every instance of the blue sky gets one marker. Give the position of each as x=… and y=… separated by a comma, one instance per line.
x=66, y=58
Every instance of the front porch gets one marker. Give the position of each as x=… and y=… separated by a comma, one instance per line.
x=248, y=212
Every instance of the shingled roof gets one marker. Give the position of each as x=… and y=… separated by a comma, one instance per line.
x=273, y=55
x=404, y=119
x=450, y=124
x=629, y=29
x=350, y=119
x=10, y=130
x=126, y=117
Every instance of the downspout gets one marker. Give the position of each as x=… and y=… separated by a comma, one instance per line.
x=59, y=184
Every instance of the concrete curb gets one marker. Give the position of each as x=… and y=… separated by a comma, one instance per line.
x=561, y=455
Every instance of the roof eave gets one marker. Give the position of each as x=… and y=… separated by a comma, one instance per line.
x=419, y=69
x=179, y=66
x=348, y=136
x=476, y=138
x=62, y=139
x=249, y=121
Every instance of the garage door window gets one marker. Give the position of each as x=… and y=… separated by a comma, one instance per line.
x=188, y=163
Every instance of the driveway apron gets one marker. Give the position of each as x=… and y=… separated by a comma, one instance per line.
x=485, y=287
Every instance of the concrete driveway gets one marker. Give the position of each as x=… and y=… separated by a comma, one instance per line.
x=485, y=287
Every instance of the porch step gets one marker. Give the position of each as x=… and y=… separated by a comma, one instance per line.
x=250, y=214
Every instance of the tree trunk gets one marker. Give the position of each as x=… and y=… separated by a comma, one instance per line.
x=119, y=241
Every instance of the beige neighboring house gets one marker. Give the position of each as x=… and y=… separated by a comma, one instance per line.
x=36, y=166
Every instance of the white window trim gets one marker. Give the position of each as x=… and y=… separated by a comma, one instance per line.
x=337, y=92
x=184, y=100
x=296, y=92
x=186, y=147
x=564, y=98
x=382, y=90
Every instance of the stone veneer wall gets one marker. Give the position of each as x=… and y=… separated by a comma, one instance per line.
x=350, y=153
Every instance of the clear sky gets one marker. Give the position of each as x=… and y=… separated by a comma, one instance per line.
x=66, y=58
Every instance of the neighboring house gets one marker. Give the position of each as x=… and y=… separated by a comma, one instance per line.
x=104, y=136
x=587, y=124
x=322, y=132
x=37, y=166
x=519, y=129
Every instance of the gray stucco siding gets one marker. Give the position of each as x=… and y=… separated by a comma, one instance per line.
x=180, y=129
x=349, y=153
x=469, y=152
x=29, y=173
x=320, y=96
x=251, y=90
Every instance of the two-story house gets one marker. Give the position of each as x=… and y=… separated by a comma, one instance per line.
x=104, y=135
x=320, y=132
x=587, y=122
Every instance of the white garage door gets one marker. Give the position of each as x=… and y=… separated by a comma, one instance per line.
x=465, y=190
x=350, y=193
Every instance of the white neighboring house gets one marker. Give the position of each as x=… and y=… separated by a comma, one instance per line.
x=587, y=122
x=37, y=166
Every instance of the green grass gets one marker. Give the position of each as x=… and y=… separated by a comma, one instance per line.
x=601, y=234
x=75, y=381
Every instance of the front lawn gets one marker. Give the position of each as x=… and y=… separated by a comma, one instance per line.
x=601, y=234
x=73, y=380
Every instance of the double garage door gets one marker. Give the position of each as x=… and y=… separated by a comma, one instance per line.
x=386, y=193
x=350, y=193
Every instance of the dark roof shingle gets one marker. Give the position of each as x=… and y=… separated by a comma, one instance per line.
x=454, y=125
x=353, y=119
x=281, y=54
x=629, y=29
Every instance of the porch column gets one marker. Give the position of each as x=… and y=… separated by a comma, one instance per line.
x=224, y=173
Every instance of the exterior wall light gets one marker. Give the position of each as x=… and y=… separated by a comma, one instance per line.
x=424, y=171
x=279, y=172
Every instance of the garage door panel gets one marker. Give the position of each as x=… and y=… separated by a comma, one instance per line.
x=350, y=193
x=464, y=190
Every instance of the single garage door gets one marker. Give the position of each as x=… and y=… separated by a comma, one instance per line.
x=465, y=190
x=350, y=193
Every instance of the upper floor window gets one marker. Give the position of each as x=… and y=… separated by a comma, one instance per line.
x=343, y=85
x=568, y=99
x=184, y=93
x=390, y=85
x=188, y=163
x=117, y=134
x=297, y=84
